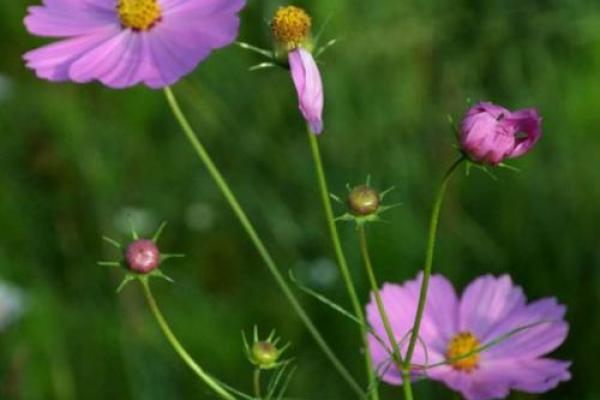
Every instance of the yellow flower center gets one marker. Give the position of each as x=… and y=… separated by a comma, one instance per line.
x=462, y=344
x=139, y=15
x=291, y=26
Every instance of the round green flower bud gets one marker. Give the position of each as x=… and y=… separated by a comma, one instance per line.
x=264, y=354
x=363, y=200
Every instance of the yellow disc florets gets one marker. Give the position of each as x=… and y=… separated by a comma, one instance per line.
x=139, y=15
x=291, y=26
x=460, y=345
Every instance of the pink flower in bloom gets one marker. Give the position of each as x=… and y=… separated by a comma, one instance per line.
x=309, y=86
x=122, y=43
x=489, y=308
x=491, y=133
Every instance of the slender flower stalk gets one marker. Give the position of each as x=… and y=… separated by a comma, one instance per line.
x=256, y=382
x=214, y=385
x=433, y=224
x=258, y=243
x=341, y=258
x=396, y=353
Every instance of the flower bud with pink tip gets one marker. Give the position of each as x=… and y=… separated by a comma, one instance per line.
x=140, y=259
x=490, y=133
x=142, y=256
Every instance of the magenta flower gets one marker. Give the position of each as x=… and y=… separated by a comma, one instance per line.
x=122, y=43
x=488, y=309
x=491, y=133
x=309, y=86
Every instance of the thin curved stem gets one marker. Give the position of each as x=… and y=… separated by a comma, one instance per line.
x=179, y=349
x=258, y=243
x=396, y=353
x=341, y=258
x=256, y=382
x=433, y=225
x=364, y=251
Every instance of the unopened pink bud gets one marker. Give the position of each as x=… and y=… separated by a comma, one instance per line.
x=490, y=133
x=142, y=256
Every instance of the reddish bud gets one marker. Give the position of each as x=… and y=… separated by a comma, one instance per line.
x=142, y=256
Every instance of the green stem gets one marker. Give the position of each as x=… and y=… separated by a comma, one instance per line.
x=433, y=224
x=257, y=383
x=178, y=347
x=258, y=243
x=364, y=251
x=407, y=386
x=341, y=258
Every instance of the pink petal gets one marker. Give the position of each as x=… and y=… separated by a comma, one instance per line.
x=400, y=302
x=309, y=86
x=548, y=333
x=496, y=380
x=382, y=360
x=53, y=61
x=528, y=122
x=214, y=32
x=116, y=63
x=65, y=22
x=478, y=384
x=99, y=62
x=174, y=55
x=82, y=4
x=486, y=302
x=537, y=375
x=200, y=9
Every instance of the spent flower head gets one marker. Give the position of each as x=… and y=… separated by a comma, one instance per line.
x=140, y=258
x=484, y=344
x=123, y=43
x=264, y=353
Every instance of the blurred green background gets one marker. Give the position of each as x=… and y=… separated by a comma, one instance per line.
x=76, y=160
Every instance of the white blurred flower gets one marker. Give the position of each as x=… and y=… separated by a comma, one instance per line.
x=323, y=272
x=6, y=88
x=200, y=216
x=143, y=220
x=12, y=304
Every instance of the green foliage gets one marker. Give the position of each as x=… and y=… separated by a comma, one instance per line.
x=76, y=160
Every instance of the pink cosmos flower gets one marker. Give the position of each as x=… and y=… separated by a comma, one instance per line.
x=491, y=133
x=309, y=86
x=122, y=43
x=488, y=309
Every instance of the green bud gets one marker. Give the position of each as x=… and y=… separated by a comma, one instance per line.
x=264, y=354
x=364, y=200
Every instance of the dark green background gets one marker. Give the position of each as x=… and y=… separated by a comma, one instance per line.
x=76, y=159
